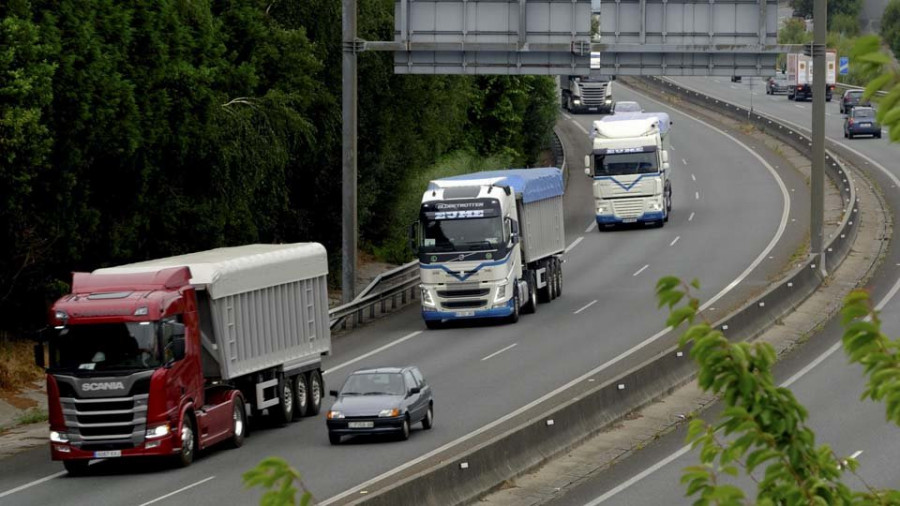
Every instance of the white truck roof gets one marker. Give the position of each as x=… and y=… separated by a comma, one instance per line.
x=636, y=124
x=228, y=271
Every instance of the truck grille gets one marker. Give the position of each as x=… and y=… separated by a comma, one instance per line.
x=628, y=208
x=464, y=304
x=593, y=94
x=475, y=292
x=118, y=421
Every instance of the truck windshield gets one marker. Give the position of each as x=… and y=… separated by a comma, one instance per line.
x=472, y=234
x=620, y=164
x=106, y=347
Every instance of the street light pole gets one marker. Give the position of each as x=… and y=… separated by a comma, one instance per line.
x=817, y=179
x=348, y=138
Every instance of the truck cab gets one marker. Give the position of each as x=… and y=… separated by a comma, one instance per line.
x=586, y=94
x=629, y=165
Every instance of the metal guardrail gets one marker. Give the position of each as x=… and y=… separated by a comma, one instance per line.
x=400, y=286
x=860, y=88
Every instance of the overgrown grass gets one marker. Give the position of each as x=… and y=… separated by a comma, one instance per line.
x=395, y=248
x=32, y=416
x=17, y=367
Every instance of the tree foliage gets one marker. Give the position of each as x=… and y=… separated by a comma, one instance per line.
x=872, y=60
x=145, y=128
x=837, y=10
x=890, y=26
x=762, y=428
x=280, y=481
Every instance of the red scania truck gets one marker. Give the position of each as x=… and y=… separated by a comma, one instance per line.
x=170, y=356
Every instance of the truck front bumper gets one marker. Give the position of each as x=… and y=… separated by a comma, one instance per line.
x=594, y=108
x=468, y=314
x=647, y=217
x=166, y=445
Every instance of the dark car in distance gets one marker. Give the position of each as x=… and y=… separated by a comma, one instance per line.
x=386, y=400
x=851, y=99
x=861, y=121
x=778, y=84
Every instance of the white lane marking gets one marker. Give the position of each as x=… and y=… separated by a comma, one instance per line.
x=567, y=115
x=642, y=269
x=674, y=241
x=613, y=361
x=513, y=345
x=580, y=127
x=683, y=161
x=798, y=106
x=693, y=177
x=591, y=227
x=182, y=489
x=691, y=217
x=671, y=147
x=31, y=484
x=589, y=304
x=857, y=453
x=574, y=243
x=376, y=350
x=790, y=381
x=696, y=195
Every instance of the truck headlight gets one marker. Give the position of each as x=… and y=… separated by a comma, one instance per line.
x=608, y=101
x=59, y=437
x=654, y=206
x=389, y=413
x=501, y=293
x=604, y=208
x=158, y=431
x=577, y=101
x=426, y=298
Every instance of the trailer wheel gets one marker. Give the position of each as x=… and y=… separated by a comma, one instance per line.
x=301, y=399
x=559, y=279
x=188, y=443
x=239, y=421
x=315, y=393
x=76, y=467
x=284, y=411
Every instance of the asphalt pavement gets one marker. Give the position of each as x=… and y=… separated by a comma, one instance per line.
x=729, y=214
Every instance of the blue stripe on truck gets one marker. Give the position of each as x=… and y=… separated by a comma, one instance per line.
x=466, y=274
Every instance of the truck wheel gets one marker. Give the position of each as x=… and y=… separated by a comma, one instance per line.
x=239, y=423
x=284, y=411
x=76, y=467
x=559, y=279
x=434, y=324
x=531, y=306
x=301, y=399
x=188, y=443
x=315, y=393
x=551, y=280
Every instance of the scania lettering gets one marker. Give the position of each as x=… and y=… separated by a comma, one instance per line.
x=631, y=175
x=498, y=260
x=171, y=356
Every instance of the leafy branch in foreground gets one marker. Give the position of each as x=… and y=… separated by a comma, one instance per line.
x=763, y=426
x=279, y=479
x=873, y=60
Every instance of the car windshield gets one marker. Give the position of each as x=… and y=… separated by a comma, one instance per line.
x=390, y=383
x=863, y=113
x=626, y=163
x=106, y=347
x=470, y=234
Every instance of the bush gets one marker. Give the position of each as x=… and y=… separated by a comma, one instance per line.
x=890, y=26
x=845, y=24
x=17, y=367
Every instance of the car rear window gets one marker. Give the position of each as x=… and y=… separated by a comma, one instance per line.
x=863, y=113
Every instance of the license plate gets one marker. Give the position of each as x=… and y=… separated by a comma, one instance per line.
x=592, y=108
x=107, y=454
x=866, y=125
x=361, y=425
x=629, y=220
x=465, y=313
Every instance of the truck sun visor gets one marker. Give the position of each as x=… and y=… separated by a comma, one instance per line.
x=532, y=184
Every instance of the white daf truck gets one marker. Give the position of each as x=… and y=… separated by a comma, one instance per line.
x=490, y=244
x=629, y=164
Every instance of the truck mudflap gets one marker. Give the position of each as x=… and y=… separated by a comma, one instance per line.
x=607, y=219
x=496, y=312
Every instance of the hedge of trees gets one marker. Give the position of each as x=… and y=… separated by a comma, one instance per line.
x=143, y=128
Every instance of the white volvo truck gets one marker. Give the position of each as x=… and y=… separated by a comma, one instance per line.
x=629, y=163
x=490, y=244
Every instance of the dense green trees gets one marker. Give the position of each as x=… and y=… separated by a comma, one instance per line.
x=137, y=129
x=841, y=13
x=890, y=26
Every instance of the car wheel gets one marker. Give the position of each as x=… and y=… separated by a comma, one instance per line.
x=301, y=396
x=434, y=324
x=404, y=430
x=849, y=136
x=76, y=467
x=238, y=423
x=878, y=135
x=428, y=421
x=315, y=393
x=188, y=443
x=284, y=411
x=334, y=439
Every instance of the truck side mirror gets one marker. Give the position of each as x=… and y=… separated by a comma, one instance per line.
x=39, y=355
x=514, y=231
x=333, y=393
x=413, y=243
x=665, y=156
x=665, y=166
